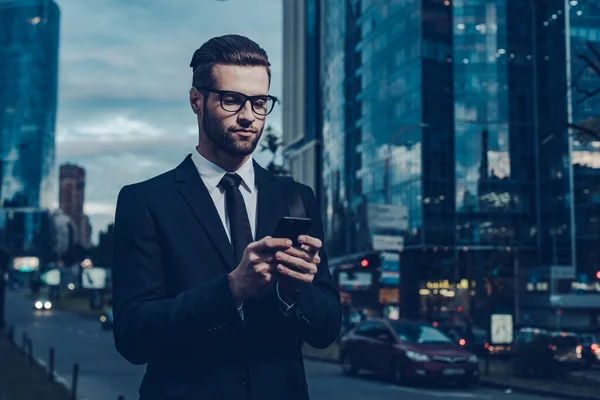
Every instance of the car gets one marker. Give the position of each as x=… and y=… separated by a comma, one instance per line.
x=42, y=303
x=106, y=320
x=407, y=351
x=590, y=349
x=567, y=349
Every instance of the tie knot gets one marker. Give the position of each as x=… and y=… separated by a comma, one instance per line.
x=230, y=180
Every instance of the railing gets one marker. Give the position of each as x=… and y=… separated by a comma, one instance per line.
x=26, y=348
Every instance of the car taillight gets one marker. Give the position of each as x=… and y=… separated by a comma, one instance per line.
x=487, y=345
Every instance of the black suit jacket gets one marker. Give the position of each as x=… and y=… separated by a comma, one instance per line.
x=172, y=303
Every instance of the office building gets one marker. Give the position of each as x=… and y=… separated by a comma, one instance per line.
x=300, y=100
x=29, y=42
x=457, y=112
x=71, y=197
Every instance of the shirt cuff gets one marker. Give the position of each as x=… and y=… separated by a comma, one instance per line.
x=286, y=309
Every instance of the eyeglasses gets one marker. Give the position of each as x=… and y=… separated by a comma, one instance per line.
x=235, y=101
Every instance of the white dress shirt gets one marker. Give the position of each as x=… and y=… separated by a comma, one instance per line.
x=211, y=175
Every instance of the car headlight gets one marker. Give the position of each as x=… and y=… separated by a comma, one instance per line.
x=47, y=305
x=417, y=356
x=473, y=359
x=39, y=305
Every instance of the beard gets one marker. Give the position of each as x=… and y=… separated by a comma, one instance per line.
x=225, y=139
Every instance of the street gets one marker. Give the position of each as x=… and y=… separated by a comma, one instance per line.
x=104, y=375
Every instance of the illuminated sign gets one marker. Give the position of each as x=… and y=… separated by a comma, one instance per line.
x=389, y=296
x=26, y=264
x=355, y=280
x=538, y=287
x=93, y=278
x=51, y=278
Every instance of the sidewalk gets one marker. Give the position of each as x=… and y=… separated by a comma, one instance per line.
x=21, y=380
x=579, y=386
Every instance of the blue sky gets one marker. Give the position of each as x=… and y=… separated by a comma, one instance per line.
x=124, y=80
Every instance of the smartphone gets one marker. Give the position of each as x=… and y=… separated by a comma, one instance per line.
x=291, y=228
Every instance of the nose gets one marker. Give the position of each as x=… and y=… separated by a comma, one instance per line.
x=246, y=114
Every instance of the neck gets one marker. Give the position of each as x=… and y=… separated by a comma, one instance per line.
x=229, y=163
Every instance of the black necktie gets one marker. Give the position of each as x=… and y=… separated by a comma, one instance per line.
x=239, y=225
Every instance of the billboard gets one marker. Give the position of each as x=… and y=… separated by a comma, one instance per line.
x=26, y=264
x=93, y=278
x=387, y=216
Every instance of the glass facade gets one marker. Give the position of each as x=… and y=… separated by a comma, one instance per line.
x=584, y=23
x=29, y=41
x=335, y=200
x=458, y=110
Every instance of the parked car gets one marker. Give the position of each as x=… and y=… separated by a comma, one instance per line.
x=106, y=320
x=590, y=349
x=407, y=351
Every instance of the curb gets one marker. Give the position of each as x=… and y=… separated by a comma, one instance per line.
x=57, y=378
x=536, y=392
x=493, y=385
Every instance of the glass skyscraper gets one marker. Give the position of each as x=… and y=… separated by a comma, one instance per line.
x=584, y=47
x=29, y=42
x=458, y=111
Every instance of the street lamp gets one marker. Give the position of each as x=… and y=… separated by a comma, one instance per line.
x=388, y=156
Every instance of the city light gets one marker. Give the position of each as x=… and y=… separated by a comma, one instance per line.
x=364, y=263
x=598, y=275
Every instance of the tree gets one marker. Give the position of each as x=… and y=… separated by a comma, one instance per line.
x=272, y=143
x=588, y=130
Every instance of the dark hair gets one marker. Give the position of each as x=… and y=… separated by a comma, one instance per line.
x=226, y=50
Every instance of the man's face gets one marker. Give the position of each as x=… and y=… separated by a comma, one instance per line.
x=235, y=133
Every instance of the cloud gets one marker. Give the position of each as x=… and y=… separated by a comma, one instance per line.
x=124, y=81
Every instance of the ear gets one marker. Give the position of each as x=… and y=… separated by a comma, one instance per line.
x=196, y=101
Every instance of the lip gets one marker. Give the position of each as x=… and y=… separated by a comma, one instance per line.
x=244, y=133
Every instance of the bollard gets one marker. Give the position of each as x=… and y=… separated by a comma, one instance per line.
x=24, y=342
x=74, y=382
x=11, y=335
x=30, y=350
x=51, y=365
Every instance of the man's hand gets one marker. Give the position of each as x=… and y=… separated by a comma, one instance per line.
x=255, y=270
x=297, y=266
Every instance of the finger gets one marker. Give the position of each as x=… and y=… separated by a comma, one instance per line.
x=283, y=270
x=269, y=244
x=265, y=268
x=316, y=259
x=296, y=263
x=314, y=243
x=291, y=261
x=300, y=253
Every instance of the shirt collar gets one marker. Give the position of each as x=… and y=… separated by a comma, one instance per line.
x=212, y=174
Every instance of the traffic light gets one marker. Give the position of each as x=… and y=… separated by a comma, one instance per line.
x=371, y=261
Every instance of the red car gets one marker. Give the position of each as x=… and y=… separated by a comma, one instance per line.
x=407, y=351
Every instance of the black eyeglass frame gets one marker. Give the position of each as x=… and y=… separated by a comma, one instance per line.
x=222, y=93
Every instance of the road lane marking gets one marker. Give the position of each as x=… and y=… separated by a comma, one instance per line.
x=426, y=392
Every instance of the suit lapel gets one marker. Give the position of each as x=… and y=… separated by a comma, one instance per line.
x=271, y=204
x=196, y=195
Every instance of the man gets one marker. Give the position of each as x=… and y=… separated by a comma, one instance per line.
x=214, y=306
